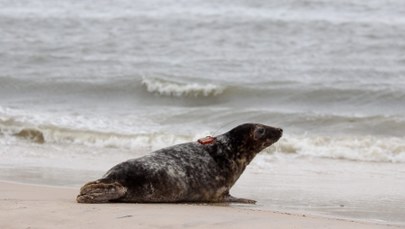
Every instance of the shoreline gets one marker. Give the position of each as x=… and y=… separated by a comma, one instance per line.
x=40, y=206
x=348, y=190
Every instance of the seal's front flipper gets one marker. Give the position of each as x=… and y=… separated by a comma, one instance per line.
x=100, y=192
x=232, y=199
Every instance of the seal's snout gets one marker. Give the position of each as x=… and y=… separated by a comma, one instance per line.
x=275, y=133
x=280, y=131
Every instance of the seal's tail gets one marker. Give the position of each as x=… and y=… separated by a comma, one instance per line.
x=100, y=192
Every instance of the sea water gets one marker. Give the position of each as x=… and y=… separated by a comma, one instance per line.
x=107, y=81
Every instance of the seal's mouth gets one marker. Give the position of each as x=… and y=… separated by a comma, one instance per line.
x=276, y=134
x=281, y=132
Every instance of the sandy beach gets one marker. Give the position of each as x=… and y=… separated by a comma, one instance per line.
x=32, y=206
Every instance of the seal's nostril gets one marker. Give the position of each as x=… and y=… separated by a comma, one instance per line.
x=281, y=130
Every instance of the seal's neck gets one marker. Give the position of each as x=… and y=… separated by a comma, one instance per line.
x=237, y=150
x=236, y=157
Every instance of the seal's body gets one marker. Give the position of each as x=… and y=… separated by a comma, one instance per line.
x=201, y=171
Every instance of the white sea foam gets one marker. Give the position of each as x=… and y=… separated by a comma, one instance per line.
x=357, y=148
x=127, y=133
x=171, y=88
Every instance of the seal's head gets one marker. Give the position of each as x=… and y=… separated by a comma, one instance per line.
x=249, y=139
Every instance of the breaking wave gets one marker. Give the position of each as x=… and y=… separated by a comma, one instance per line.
x=171, y=88
x=62, y=135
x=357, y=148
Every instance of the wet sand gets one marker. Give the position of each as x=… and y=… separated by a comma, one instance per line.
x=34, y=206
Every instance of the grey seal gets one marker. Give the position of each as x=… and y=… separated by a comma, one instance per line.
x=201, y=171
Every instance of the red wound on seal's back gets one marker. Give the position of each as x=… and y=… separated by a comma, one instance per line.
x=206, y=140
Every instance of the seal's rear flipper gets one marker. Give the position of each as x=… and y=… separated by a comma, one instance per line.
x=100, y=192
x=232, y=199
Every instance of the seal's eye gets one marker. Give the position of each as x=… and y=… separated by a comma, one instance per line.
x=260, y=132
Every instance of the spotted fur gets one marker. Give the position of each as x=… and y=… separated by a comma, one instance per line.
x=189, y=172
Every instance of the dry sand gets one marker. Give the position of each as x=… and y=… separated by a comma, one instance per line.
x=31, y=206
